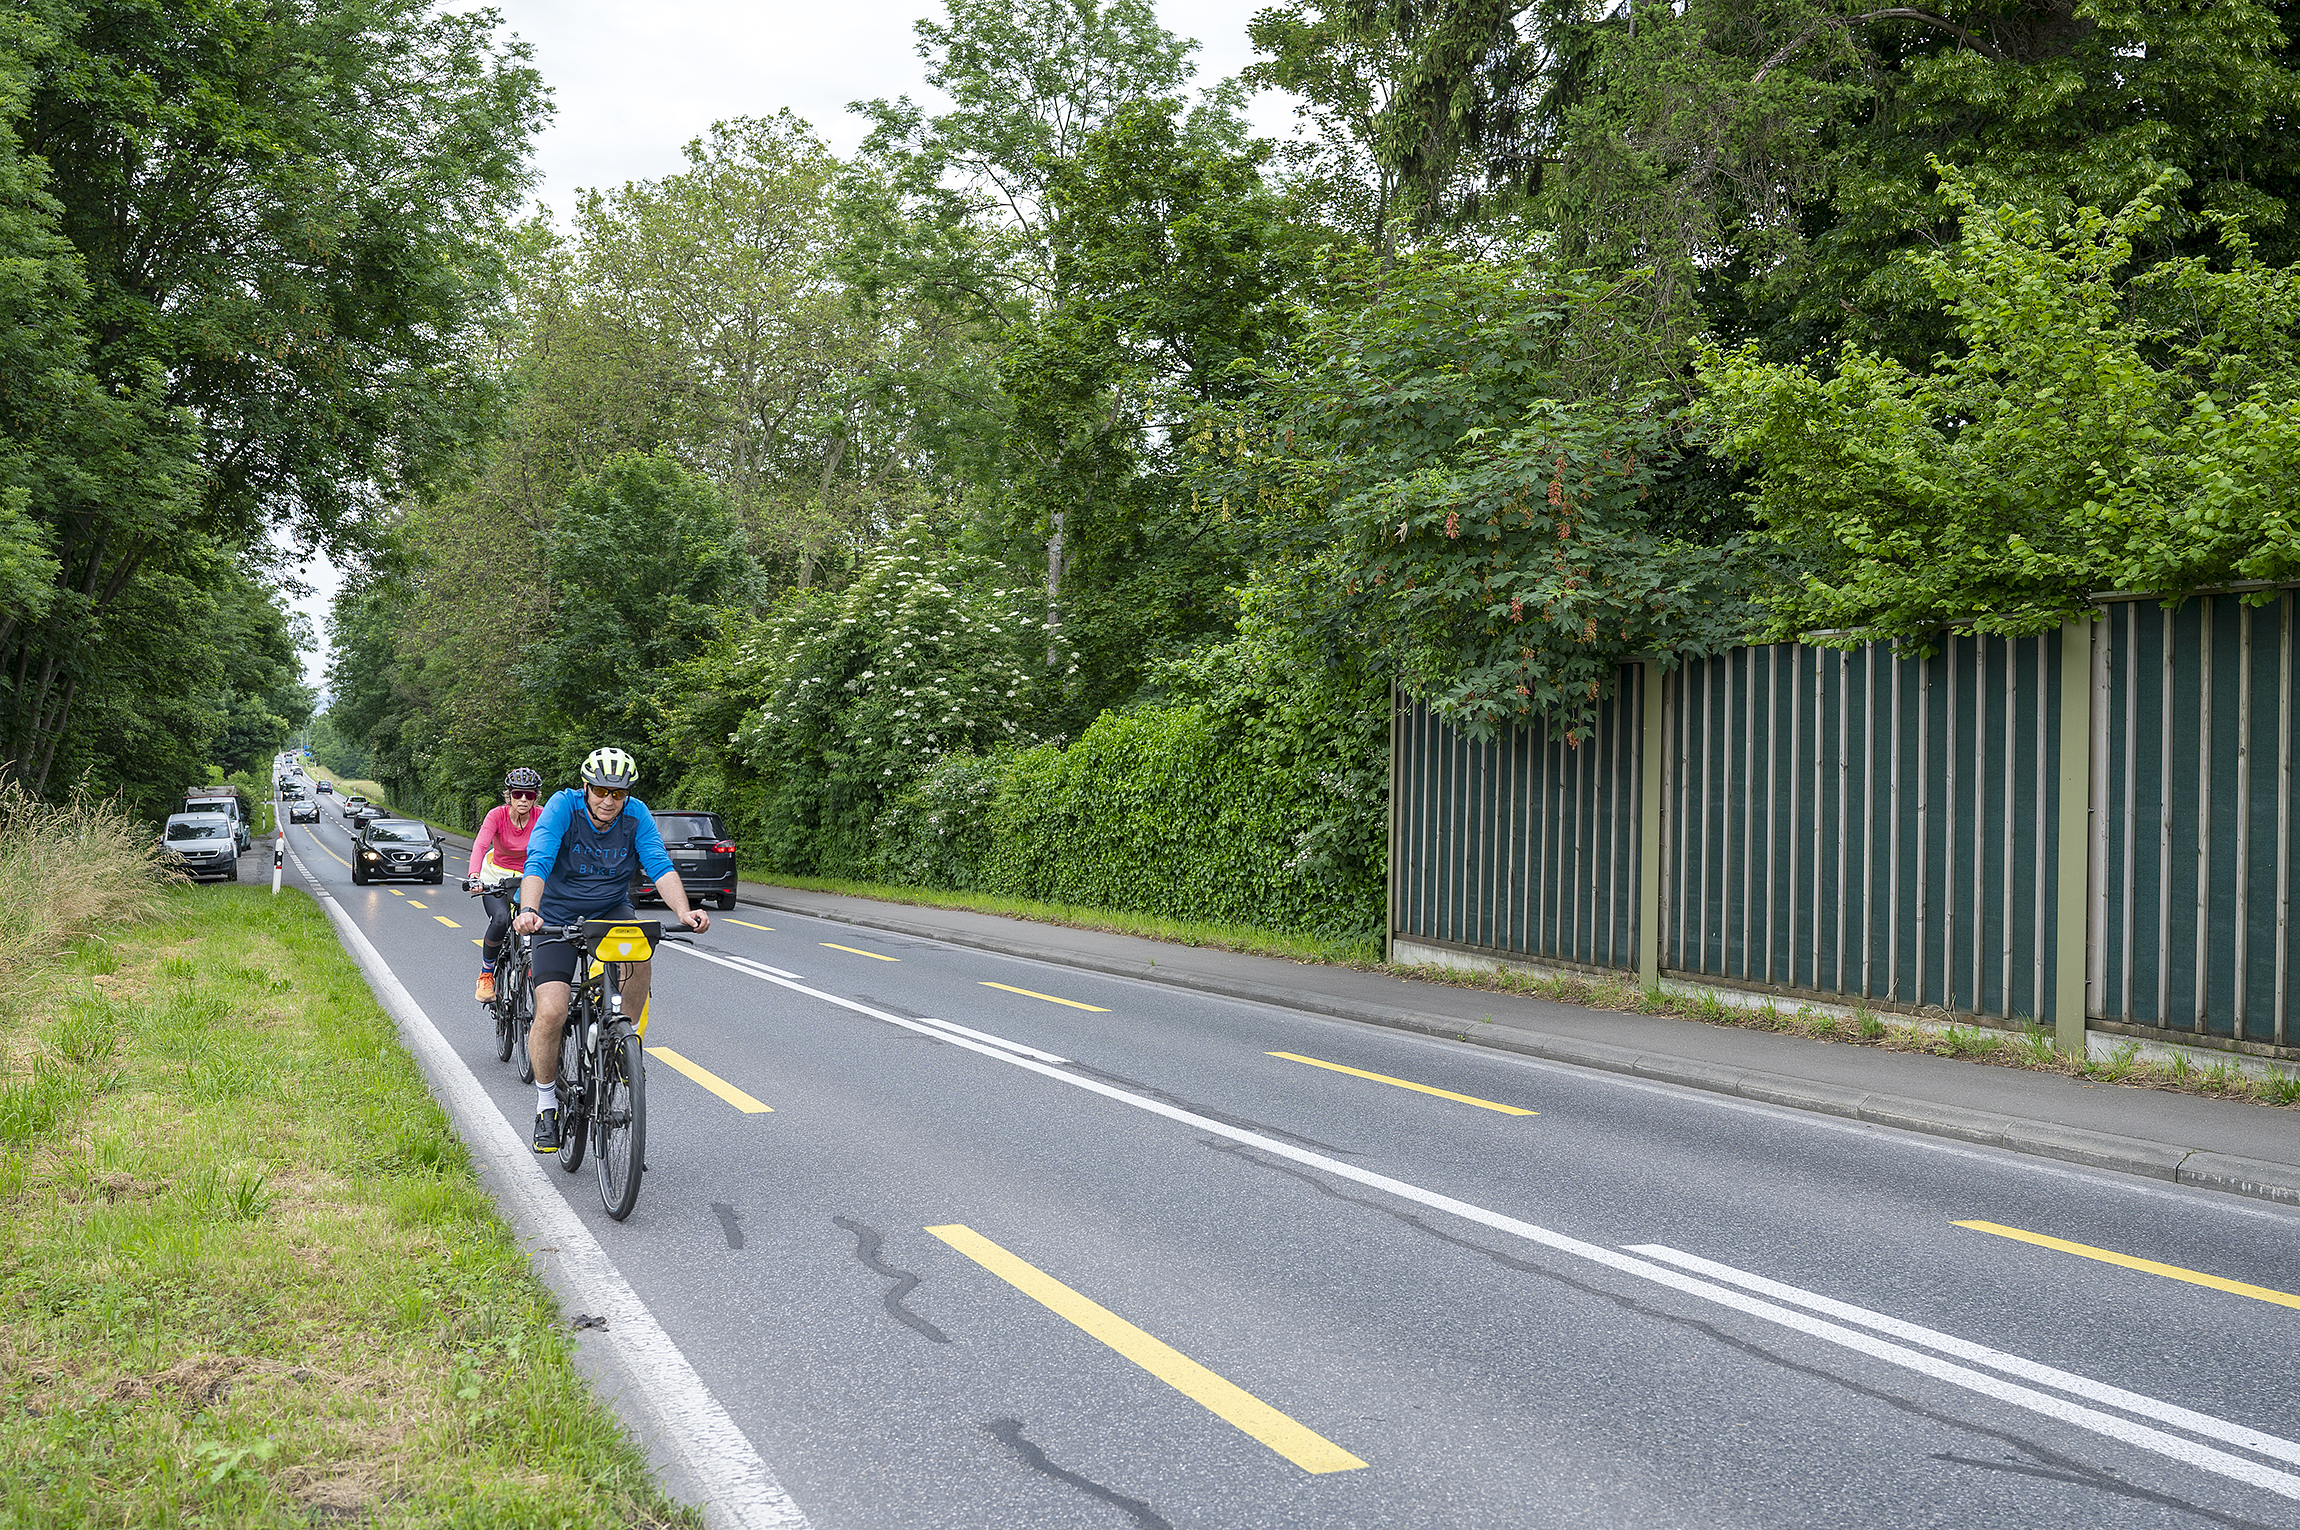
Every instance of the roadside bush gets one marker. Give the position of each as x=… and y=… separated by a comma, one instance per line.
x=1154, y=812
x=938, y=831
x=67, y=870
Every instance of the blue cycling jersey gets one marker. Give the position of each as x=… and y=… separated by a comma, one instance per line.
x=586, y=870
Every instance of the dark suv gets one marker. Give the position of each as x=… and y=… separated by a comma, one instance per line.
x=396, y=847
x=700, y=852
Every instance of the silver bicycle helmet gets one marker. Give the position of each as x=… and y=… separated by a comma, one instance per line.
x=523, y=779
x=610, y=769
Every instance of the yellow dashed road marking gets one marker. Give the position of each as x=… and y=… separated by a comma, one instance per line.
x=1049, y=998
x=873, y=955
x=2130, y=1262
x=1384, y=1078
x=712, y=1082
x=1310, y=1451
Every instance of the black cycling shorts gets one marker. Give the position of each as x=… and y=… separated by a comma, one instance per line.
x=553, y=961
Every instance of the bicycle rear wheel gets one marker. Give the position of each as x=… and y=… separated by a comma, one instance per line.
x=574, y=1091
x=524, y=1024
x=621, y=1122
x=506, y=1010
x=518, y=1011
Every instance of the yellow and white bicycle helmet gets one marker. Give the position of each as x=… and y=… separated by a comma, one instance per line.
x=610, y=769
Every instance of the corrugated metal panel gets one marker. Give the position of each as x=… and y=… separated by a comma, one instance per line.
x=1521, y=846
x=1848, y=824
x=1845, y=823
x=2192, y=817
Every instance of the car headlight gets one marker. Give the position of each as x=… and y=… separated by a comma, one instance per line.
x=368, y=855
x=431, y=855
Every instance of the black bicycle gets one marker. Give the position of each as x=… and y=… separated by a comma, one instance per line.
x=602, y=1066
x=513, y=1007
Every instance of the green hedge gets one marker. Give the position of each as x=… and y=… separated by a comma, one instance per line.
x=1149, y=812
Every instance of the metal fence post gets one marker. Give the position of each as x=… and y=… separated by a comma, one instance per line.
x=1650, y=745
x=1390, y=871
x=2072, y=964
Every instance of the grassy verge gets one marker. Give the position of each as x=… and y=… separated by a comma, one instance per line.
x=247, y=1276
x=2030, y=1048
x=1359, y=951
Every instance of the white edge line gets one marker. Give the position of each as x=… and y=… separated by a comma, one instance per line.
x=727, y=959
x=740, y=1490
x=2189, y=1452
x=1965, y=1349
x=996, y=1041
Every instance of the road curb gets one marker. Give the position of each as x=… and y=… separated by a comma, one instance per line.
x=2171, y=1162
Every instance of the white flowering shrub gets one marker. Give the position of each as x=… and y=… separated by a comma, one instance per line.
x=1256, y=795
x=852, y=695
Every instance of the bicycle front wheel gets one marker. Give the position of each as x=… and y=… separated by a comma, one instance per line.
x=621, y=1122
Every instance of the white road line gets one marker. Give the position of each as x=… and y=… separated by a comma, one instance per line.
x=1964, y=1349
x=739, y=963
x=996, y=1041
x=2188, y=1452
x=740, y=1491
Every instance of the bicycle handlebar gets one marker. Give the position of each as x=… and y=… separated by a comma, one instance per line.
x=573, y=934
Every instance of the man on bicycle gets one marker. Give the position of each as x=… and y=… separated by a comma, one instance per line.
x=579, y=864
x=498, y=855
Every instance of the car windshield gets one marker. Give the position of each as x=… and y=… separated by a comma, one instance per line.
x=678, y=828
x=198, y=828
x=386, y=832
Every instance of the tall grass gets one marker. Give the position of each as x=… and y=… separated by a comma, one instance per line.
x=68, y=870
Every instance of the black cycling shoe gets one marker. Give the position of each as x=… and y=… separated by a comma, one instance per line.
x=547, y=1131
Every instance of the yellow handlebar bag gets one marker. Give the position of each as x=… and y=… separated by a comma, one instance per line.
x=623, y=940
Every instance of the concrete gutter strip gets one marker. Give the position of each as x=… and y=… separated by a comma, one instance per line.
x=2042, y=1139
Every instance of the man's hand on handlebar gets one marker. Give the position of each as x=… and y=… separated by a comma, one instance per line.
x=528, y=922
x=695, y=919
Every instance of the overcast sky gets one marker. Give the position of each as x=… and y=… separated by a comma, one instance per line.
x=633, y=82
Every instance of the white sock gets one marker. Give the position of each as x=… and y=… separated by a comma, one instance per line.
x=546, y=1096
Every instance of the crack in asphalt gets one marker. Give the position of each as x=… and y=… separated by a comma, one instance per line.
x=867, y=1245
x=1009, y=1433
x=2129, y=1490
x=1210, y=1113
x=729, y=1217
x=2056, y=1466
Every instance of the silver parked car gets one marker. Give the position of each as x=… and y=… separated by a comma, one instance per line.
x=202, y=845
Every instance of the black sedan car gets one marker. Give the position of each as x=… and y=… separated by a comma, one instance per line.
x=303, y=810
x=396, y=849
x=702, y=855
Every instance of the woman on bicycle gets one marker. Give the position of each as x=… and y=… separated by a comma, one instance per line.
x=497, y=856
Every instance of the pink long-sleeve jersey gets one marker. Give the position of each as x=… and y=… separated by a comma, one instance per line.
x=501, y=848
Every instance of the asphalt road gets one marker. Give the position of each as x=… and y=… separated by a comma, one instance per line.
x=1103, y=1259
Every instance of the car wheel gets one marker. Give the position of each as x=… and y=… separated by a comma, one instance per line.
x=233, y=875
x=436, y=878
x=726, y=903
x=358, y=877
